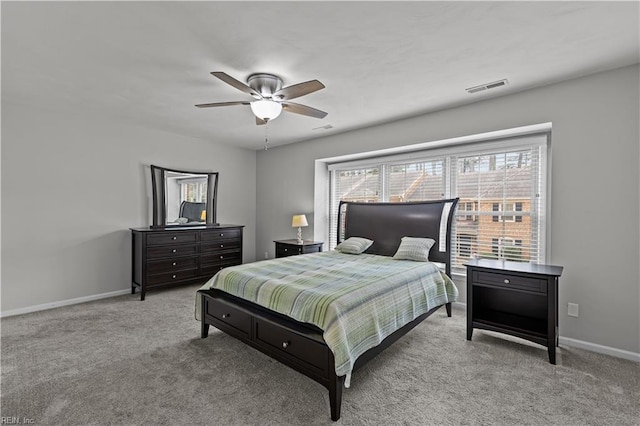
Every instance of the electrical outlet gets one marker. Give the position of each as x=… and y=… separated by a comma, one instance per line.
x=573, y=309
x=266, y=254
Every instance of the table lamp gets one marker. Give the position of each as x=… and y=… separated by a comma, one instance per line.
x=299, y=220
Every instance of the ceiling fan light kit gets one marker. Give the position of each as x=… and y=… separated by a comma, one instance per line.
x=266, y=109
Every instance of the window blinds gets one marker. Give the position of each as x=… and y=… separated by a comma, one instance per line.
x=501, y=185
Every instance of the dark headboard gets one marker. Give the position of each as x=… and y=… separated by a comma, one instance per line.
x=387, y=223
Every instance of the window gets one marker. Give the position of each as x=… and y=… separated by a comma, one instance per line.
x=194, y=190
x=507, y=207
x=501, y=185
x=468, y=207
x=362, y=185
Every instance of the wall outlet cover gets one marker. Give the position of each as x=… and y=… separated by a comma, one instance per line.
x=573, y=309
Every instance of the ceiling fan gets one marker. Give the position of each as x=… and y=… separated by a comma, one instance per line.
x=270, y=98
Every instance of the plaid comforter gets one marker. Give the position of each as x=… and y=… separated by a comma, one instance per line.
x=357, y=300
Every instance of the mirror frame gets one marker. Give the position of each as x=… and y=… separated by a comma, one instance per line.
x=159, y=189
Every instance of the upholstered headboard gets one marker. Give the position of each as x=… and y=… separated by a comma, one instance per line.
x=387, y=223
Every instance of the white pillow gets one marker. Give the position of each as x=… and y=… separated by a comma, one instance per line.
x=354, y=245
x=412, y=248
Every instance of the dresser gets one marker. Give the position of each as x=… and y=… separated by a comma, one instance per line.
x=520, y=299
x=286, y=248
x=182, y=255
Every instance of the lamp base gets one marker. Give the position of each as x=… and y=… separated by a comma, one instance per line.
x=300, y=241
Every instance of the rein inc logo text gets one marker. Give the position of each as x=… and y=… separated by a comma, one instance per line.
x=5, y=420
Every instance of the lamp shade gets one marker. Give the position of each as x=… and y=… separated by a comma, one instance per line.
x=299, y=220
x=265, y=109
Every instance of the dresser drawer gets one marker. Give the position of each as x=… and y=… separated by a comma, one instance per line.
x=213, y=268
x=510, y=281
x=228, y=314
x=174, y=264
x=178, y=237
x=220, y=245
x=221, y=234
x=306, y=351
x=157, y=252
x=169, y=277
x=221, y=257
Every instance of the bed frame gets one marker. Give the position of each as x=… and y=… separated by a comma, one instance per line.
x=300, y=345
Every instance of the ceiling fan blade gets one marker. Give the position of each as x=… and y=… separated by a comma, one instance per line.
x=297, y=90
x=260, y=121
x=303, y=109
x=237, y=84
x=217, y=104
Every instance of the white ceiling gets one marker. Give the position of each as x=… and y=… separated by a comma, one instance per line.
x=148, y=63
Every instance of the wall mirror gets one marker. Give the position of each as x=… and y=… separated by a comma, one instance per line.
x=183, y=198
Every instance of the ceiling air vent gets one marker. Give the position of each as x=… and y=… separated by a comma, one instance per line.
x=325, y=127
x=487, y=86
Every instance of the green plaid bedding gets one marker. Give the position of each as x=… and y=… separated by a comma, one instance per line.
x=357, y=300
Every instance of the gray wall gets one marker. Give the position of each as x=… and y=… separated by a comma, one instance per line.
x=595, y=205
x=72, y=187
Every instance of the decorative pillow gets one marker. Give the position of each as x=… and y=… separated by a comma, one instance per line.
x=412, y=248
x=354, y=245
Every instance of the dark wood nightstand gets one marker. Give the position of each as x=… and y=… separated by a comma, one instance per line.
x=520, y=299
x=286, y=248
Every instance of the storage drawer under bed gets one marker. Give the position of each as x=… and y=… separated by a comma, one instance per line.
x=229, y=315
x=291, y=344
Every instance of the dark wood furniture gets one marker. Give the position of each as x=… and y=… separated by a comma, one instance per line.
x=182, y=255
x=286, y=248
x=520, y=299
x=301, y=346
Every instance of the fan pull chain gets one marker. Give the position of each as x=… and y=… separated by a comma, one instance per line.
x=266, y=134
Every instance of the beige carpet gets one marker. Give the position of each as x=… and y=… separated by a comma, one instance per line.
x=124, y=362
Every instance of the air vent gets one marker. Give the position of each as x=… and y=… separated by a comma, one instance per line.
x=487, y=86
x=325, y=127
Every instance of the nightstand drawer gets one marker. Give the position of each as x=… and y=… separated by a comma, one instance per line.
x=286, y=248
x=510, y=281
x=283, y=251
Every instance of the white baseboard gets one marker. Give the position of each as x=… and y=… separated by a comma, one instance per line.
x=594, y=347
x=580, y=344
x=45, y=306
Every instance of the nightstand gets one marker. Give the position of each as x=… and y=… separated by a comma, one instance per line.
x=286, y=248
x=520, y=299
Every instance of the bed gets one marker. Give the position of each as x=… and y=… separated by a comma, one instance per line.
x=327, y=314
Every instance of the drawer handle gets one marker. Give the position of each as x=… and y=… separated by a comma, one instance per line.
x=221, y=245
x=285, y=345
x=222, y=235
x=173, y=251
x=173, y=238
x=221, y=257
x=224, y=316
x=174, y=263
x=173, y=276
x=506, y=281
x=286, y=250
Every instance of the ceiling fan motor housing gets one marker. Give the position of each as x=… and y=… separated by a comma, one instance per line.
x=265, y=84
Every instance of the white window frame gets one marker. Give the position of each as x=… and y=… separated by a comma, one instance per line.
x=504, y=140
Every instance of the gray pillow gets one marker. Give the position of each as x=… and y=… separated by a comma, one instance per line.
x=413, y=248
x=354, y=245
